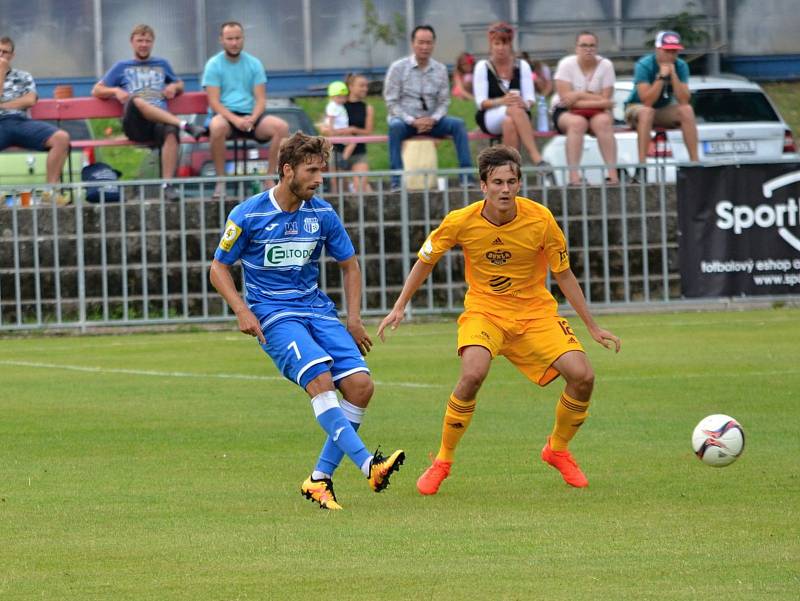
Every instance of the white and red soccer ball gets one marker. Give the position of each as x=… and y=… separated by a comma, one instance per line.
x=718, y=440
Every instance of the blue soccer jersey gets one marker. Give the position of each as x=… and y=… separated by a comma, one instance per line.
x=280, y=253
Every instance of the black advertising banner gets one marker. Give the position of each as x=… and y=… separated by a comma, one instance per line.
x=739, y=229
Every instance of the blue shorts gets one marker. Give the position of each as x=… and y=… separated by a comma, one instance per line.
x=24, y=132
x=304, y=347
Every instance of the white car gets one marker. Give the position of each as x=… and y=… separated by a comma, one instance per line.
x=735, y=121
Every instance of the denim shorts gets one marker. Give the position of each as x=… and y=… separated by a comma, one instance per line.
x=25, y=133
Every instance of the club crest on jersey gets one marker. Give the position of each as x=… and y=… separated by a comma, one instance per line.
x=311, y=225
x=290, y=228
x=498, y=257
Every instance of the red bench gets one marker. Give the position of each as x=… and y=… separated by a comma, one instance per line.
x=65, y=109
x=473, y=135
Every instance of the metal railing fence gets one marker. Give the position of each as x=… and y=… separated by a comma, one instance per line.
x=144, y=260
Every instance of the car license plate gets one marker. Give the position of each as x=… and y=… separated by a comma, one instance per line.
x=729, y=147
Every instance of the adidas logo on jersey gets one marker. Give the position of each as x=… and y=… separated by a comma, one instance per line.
x=497, y=241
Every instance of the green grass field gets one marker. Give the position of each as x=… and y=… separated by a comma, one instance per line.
x=167, y=466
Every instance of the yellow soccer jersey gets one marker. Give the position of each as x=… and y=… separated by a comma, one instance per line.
x=505, y=265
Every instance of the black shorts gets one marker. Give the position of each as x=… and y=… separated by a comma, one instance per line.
x=559, y=110
x=250, y=135
x=140, y=130
x=481, y=123
x=343, y=164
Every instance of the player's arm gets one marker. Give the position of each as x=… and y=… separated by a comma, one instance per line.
x=351, y=279
x=418, y=274
x=572, y=291
x=222, y=280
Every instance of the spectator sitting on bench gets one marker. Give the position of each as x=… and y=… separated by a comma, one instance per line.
x=17, y=95
x=417, y=94
x=503, y=88
x=541, y=74
x=236, y=84
x=361, y=118
x=462, y=77
x=143, y=85
x=660, y=95
x=337, y=123
x=583, y=102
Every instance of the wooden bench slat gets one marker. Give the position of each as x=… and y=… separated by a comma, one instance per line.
x=66, y=109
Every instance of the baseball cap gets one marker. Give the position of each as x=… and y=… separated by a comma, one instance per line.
x=669, y=40
x=337, y=88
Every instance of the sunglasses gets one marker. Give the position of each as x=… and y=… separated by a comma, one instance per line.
x=501, y=29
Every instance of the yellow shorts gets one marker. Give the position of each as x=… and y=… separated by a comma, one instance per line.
x=532, y=345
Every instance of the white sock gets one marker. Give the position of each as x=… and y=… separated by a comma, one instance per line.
x=317, y=475
x=353, y=413
x=324, y=401
x=365, y=465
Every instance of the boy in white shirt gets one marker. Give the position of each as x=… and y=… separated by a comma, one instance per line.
x=336, y=120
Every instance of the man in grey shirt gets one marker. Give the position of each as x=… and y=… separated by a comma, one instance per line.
x=417, y=94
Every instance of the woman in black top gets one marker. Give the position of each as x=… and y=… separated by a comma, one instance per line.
x=503, y=88
x=361, y=117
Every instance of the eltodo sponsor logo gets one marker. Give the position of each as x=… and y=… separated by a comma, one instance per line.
x=781, y=216
x=287, y=254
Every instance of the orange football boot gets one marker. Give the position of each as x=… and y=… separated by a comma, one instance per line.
x=565, y=463
x=430, y=480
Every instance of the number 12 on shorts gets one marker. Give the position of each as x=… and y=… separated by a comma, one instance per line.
x=566, y=328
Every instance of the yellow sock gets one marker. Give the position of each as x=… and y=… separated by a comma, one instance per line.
x=570, y=415
x=456, y=421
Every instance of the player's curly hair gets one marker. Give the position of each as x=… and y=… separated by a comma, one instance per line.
x=302, y=148
x=497, y=156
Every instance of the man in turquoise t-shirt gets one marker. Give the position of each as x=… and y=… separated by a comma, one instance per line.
x=237, y=96
x=660, y=95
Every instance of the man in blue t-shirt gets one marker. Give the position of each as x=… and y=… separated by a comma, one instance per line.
x=660, y=95
x=278, y=237
x=237, y=96
x=143, y=85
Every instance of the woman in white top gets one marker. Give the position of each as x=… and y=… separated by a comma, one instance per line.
x=583, y=102
x=503, y=89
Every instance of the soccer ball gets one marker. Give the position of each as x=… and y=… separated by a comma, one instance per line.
x=718, y=440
